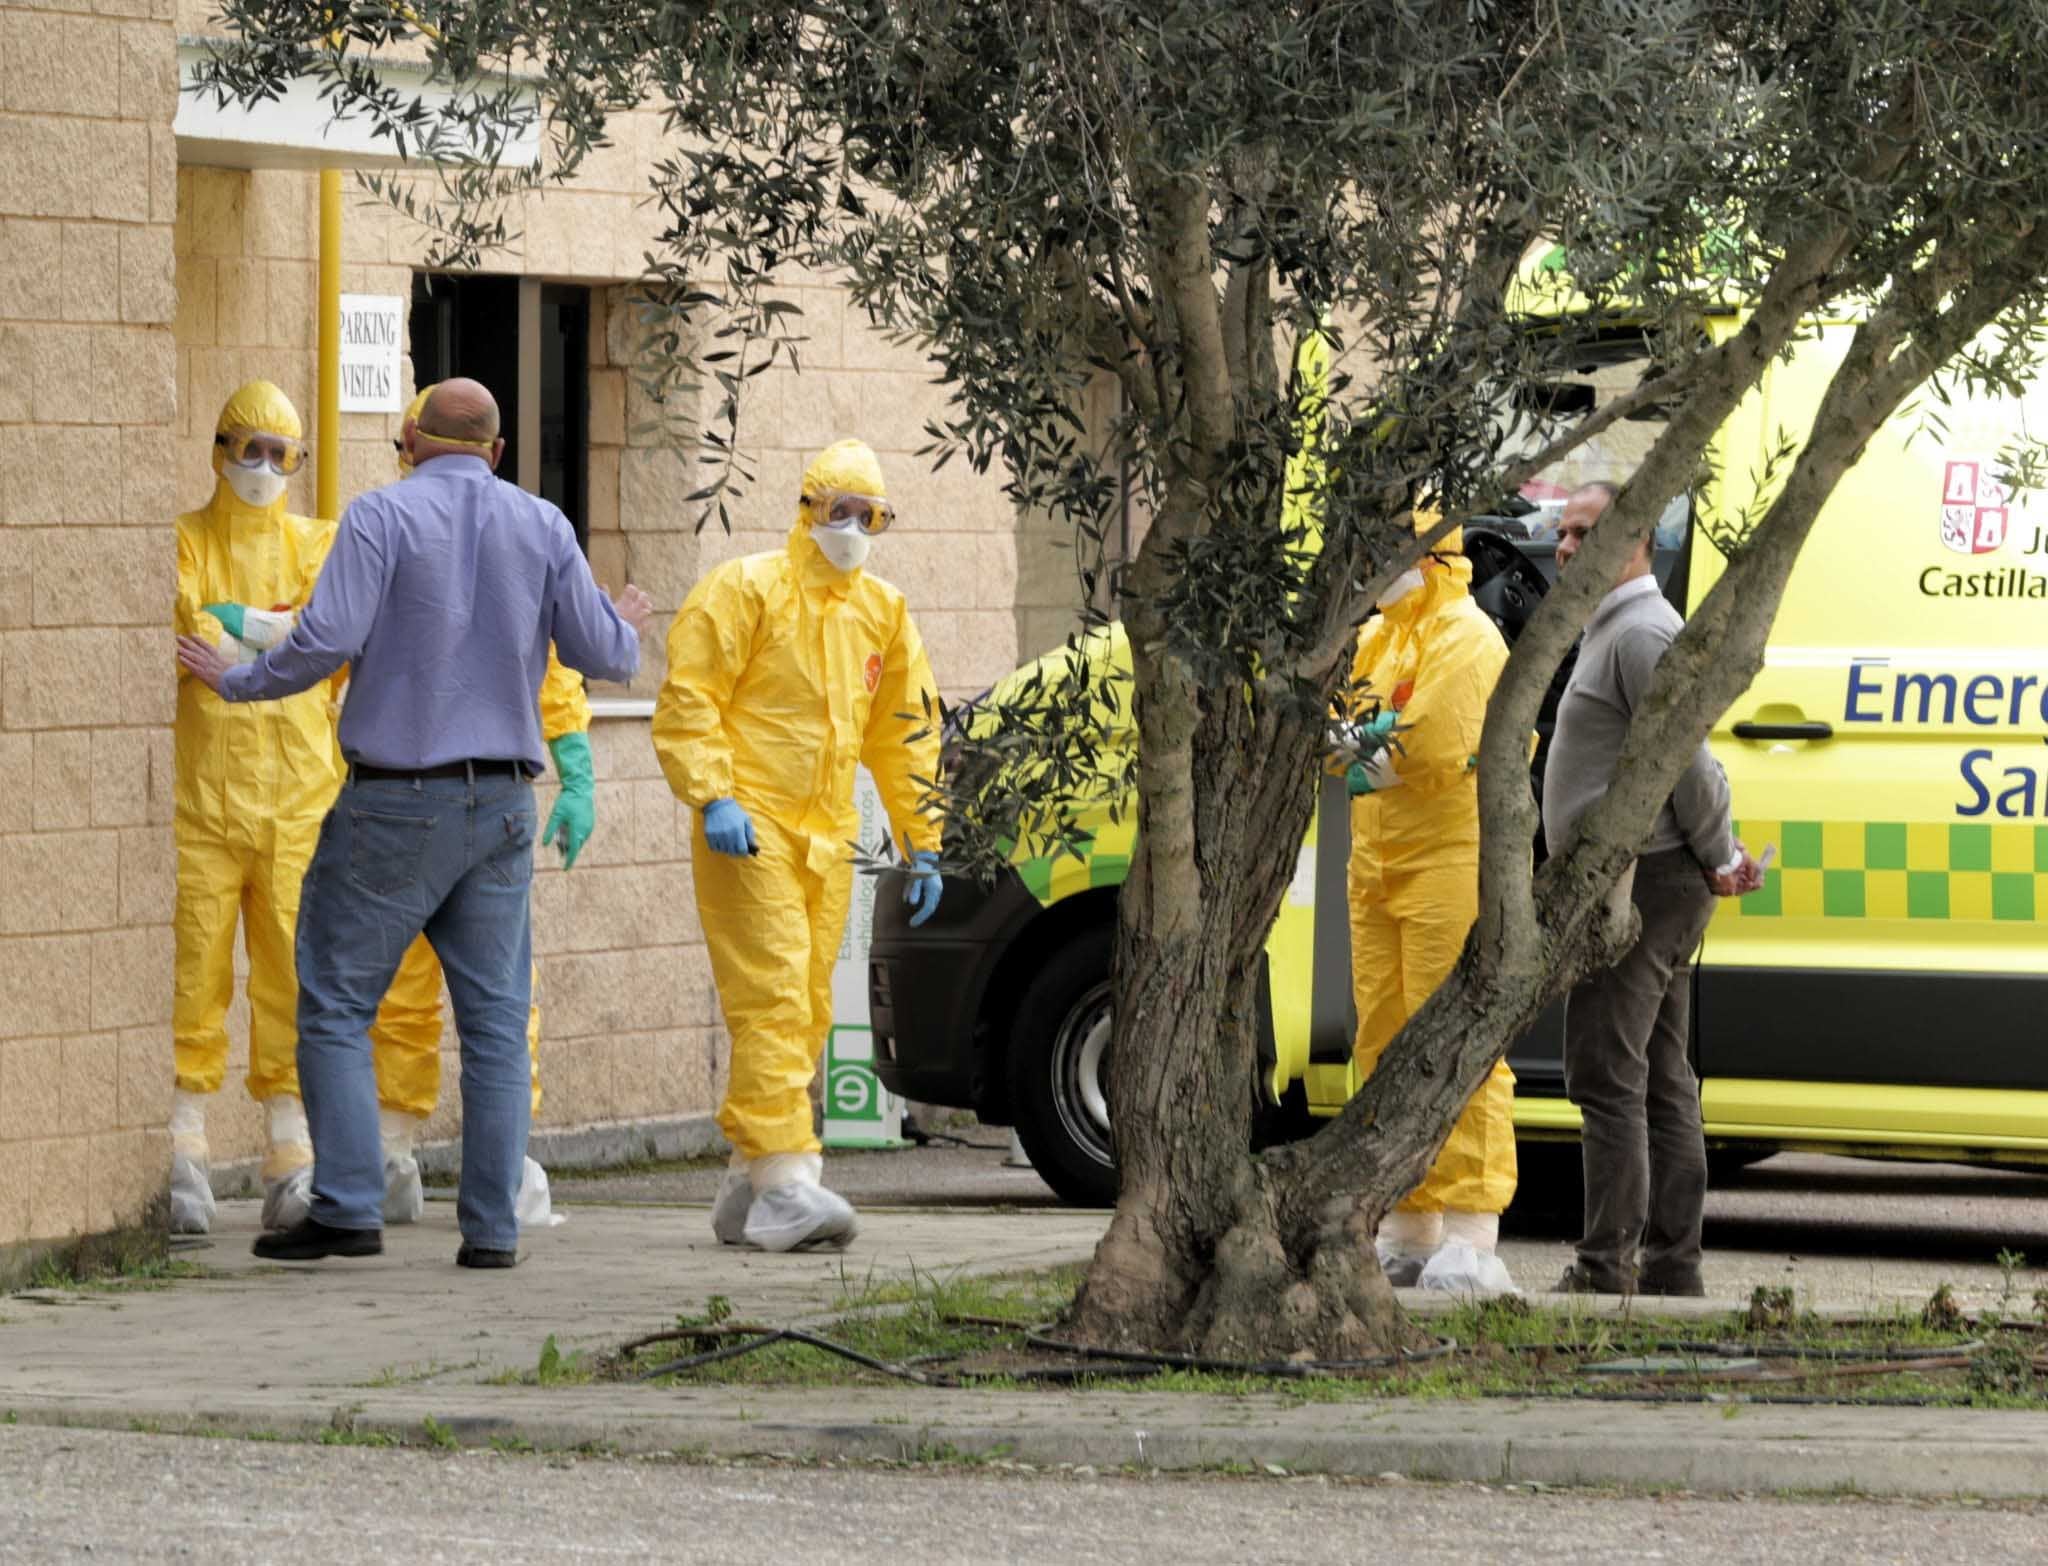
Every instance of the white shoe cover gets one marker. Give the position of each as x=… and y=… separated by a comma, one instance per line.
x=290, y=1147
x=191, y=1196
x=1405, y=1243
x=795, y=1216
x=729, y=1210
x=1459, y=1267
x=288, y=1202
x=405, y=1197
x=533, y=1207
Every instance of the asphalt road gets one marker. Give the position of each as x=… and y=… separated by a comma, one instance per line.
x=1841, y=1231
x=72, y=1494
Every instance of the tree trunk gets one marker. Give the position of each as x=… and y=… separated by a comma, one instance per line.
x=1199, y=1257
x=1196, y=1258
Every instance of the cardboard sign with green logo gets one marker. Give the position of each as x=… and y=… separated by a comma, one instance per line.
x=859, y=1111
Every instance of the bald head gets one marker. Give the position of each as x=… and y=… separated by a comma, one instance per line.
x=460, y=419
x=463, y=409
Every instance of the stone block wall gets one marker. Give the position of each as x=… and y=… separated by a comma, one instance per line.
x=247, y=247
x=87, y=407
x=954, y=549
x=1047, y=594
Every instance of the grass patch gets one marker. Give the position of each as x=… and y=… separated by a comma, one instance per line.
x=1023, y=1298
x=62, y=1273
x=553, y=1369
x=971, y=1330
x=931, y=1317
x=439, y=1435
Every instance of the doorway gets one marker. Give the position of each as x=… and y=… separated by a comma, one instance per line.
x=529, y=342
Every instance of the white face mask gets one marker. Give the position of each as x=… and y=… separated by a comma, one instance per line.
x=1401, y=587
x=257, y=487
x=846, y=547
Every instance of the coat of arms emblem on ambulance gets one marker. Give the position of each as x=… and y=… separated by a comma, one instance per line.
x=1973, y=506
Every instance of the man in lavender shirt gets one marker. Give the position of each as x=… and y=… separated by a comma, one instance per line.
x=441, y=593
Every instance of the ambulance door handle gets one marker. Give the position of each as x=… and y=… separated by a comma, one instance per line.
x=1784, y=731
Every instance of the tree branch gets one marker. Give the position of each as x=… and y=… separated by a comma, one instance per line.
x=1185, y=270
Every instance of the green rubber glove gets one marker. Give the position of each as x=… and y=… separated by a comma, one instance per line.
x=1380, y=728
x=574, y=817
x=229, y=615
x=1373, y=735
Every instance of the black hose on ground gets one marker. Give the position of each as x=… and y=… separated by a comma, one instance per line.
x=1283, y=1369
x=781, y=1335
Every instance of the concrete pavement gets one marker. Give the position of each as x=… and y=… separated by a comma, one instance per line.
x=1850, y=1232
x=386, y=1345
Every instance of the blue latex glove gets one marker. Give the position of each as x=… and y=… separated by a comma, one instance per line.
x=729, y=829
x=1357, y=780
x=574, y=817
x=925, y=888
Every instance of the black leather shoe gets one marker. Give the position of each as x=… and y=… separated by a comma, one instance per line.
x=476, y=1256
x=1577, y=1280
x=310, y=1239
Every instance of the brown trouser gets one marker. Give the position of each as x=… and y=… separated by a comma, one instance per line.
x=1625, y=1067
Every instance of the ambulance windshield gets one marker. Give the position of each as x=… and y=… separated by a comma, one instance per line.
x=1533, y=413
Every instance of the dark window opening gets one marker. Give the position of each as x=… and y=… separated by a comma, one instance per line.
x=564, y=403
x=472, y=326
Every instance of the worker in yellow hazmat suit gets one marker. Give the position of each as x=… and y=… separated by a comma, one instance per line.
x=252, y=782
x=785, y=669
x=405, y=1040
x=1432, y=658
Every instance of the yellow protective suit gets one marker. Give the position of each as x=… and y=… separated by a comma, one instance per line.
x=253, y=780
x=405, y=1040
x=783, y=674
x=1435, y=657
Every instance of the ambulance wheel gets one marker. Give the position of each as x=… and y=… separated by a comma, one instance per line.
x=1550, y=1187
x=1059, y=1071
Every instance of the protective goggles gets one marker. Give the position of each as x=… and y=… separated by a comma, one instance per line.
x=869, y=513
x=247, y=448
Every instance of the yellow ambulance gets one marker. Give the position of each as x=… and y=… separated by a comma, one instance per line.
x=1884, y=994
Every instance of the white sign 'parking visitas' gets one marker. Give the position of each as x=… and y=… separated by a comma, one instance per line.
x=372, y=333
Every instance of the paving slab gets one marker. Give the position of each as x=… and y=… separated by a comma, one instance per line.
x=603, y=1275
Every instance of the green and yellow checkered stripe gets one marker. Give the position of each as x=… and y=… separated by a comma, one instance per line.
x=1952, y=870
x=1105, y=862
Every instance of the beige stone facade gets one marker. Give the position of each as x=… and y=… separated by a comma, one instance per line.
x=88, y=200
x=135, y=294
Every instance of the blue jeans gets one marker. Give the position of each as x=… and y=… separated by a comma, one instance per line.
x=454, y=858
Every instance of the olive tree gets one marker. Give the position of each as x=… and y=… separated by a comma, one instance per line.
x=1174, y=195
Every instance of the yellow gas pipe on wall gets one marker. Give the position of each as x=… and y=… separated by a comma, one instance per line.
x=327, y=416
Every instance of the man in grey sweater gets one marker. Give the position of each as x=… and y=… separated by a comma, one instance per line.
x=1626, y=1029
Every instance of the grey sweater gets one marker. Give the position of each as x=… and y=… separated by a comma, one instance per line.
x=1626, y=636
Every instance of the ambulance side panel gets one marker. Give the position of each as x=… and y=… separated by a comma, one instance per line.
x=1892, y=750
